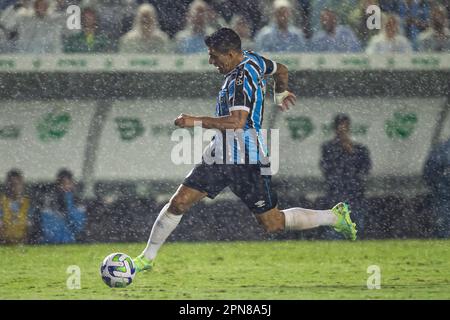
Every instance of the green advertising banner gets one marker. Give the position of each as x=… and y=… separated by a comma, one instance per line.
x=136, y=139
x=41, y=137
x=398, y=132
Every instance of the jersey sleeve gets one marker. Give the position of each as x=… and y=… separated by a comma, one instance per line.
x=240, y=92
x=269, y=67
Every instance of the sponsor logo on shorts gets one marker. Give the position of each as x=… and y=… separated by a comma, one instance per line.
x=260, y=203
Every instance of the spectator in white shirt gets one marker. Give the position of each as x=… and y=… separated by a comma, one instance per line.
x=39, y=32
x=389, y=40
x=190, y=40
x=146, y=35
x=437, y=37
x=280, y=35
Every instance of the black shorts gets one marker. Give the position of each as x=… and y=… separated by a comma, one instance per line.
x=244, y=180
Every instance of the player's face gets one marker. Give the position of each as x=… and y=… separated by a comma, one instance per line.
x=222, y=61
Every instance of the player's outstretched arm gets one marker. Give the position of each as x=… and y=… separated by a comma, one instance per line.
x=236, y=120
x=283, y=97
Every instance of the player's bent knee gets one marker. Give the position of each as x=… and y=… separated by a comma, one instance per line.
x=184, y=199
x=272, y=221
x=180, y=203
x=177, y=206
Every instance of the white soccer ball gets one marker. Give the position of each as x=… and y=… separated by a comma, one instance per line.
x=117, y=270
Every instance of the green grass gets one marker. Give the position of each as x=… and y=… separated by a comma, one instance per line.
x=410, y=269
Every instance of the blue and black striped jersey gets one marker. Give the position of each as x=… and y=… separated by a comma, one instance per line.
x=244, y=88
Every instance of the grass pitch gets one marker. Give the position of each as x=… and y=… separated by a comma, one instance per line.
x=410, y=269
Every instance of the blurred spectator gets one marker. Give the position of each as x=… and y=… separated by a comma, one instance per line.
x=62, y=217
x=11, y=13
x=249, y=10
x=416, y=17
x=39, y=30
x=190, y=40
x=437, y=37
x=397, y=7
x=6, y=3
x=146, y=36
x=59, y=10
x=437, y=176
x=115, y=18
x=90, y=38
x=305, y=9
x=358, y=21
x=342, y=8
x=3, y=42
x=16, y=212
x=280, y=35
x=242, y=28
x=172, y=14
x=389, y=40
x=345, y=165
x=446, y=5
x=334, y=37
x=214, y=20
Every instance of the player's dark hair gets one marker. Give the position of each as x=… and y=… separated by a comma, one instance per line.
x=339, y=119
x=64, y=173
x=224, y=40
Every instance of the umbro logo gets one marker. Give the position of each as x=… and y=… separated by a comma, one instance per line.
x=260, y=203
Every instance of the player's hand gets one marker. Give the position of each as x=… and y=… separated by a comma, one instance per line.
x=285, y=100
x=184, y=121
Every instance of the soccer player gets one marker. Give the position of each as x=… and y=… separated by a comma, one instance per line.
x=239, y=106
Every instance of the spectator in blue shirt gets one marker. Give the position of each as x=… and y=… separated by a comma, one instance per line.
x=6, y=3
x=280, y=35
x=342, y=8
x=437, y=176
x=437, y=37
x=62, y=217
x=397, y=7
x=191, y=39
x=334, y=37
x=417, y=13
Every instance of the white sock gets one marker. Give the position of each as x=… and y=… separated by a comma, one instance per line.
x=302, y=219
x=162, y=228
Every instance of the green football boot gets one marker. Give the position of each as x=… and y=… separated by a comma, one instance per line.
x=141, y=263
x=344, y=223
